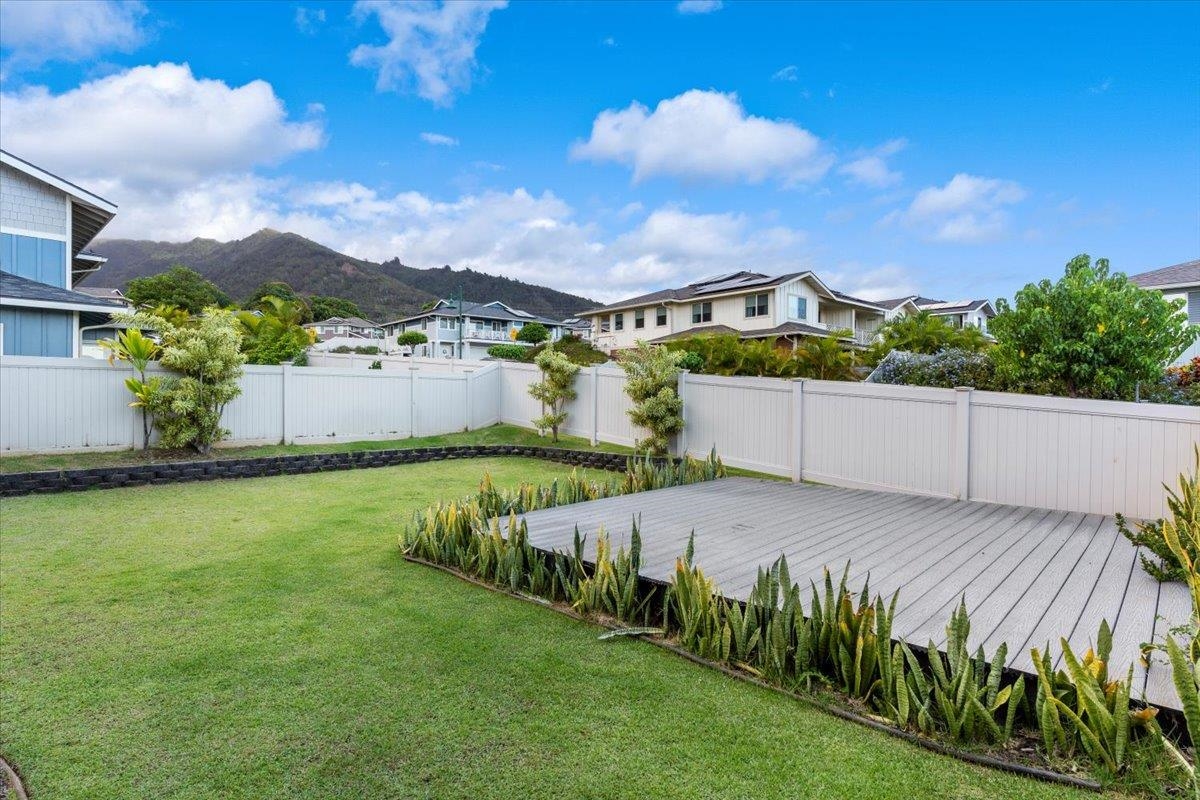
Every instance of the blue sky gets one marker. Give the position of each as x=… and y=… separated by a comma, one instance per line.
x=612, y=148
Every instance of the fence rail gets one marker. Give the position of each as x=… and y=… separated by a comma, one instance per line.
x=1092, y=456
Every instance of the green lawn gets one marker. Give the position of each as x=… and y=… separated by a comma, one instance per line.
x=263, y=638
x=495, y=434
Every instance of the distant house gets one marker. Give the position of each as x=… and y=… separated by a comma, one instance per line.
x=959, y=313
x=578, y=326
x=46, y=224
x=346, y=327
x=94, y=328
x=781, y=308
x=467, y=332
x=1180, y=282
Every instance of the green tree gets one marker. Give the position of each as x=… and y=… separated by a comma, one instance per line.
x=205, y=356
x=554, y=390
x=533, y=332
x=1090, y=334
x=411, y=339
x=139, y=350
x=273, y=332
x=178, y=286
x=324, y=307
x=508, y=352
x=284, y=292
x=652, y=378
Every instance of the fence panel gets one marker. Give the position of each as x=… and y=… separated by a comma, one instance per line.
x=898, y=438
x=484, y=396
x=64, y=404
x=747, y=420
x=1095, y=456
x=440, y=402
x=343, y=405
x=254, y=416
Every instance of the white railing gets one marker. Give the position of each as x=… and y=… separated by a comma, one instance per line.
x=1092, y=456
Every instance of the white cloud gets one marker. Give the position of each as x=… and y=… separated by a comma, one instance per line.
x=1102, y=87
x=871, y=167
x=38, y=31
x=430, y=47
x=153, y=126
x=308, y=20
x=609, y=41
x=698, y=6
x=789, y=73
x=871, y=283
x=439, y=139
x=967, y=209
x=707, y=135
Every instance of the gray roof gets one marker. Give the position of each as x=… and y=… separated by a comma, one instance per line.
x=18, y=288
x=490, y=310
x=786, y=329
x=731, y=282
x=102, y=292
x=849, y=298
x=951, y=307
x=1187, y=273
x=356, y=322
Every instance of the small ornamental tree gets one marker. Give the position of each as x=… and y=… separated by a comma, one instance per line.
x=411, y=339
x=205, y=355
x=275, y=333
x=533, y=332
x=554, y=390
x=139, y=350
x=1091, y=334
x=178, y=286
x=652, y=377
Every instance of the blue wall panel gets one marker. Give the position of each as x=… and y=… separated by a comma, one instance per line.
x=37, y=332
x=41, y=260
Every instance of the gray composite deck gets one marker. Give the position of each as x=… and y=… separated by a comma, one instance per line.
x=1029, y=575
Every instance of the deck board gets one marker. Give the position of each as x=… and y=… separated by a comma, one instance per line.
x=1029, y=575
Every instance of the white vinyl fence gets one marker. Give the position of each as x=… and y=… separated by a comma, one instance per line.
x=1091, y=456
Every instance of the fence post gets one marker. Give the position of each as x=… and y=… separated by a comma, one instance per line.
x=798, y=430
x=412, y=397
x=681, y=441
x=285, y=393
x=595, y=405
x=470, y=395
x=962, y=443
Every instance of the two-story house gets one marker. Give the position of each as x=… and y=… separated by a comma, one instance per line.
x=46, y=224
x=467, y=332
x=1179, y=282
x=783, y=308
x=958, y=313
x=346, y=327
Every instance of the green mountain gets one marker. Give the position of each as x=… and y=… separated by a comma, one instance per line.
x=382, y=291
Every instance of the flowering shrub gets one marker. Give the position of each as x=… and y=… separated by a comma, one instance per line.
x=946, y=369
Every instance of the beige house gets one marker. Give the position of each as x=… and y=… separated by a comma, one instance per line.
x=784, y=308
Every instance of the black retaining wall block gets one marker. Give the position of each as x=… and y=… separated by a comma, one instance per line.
x=73, y=480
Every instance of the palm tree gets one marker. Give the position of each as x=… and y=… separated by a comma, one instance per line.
x=825, y=357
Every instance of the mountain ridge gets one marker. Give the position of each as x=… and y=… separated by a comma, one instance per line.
x=382, y=291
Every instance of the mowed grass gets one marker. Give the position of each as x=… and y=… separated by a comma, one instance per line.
x=265, y=639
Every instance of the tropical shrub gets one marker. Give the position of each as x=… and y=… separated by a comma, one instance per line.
x=1082, y=707
x=576, y=349
x=652, y=380
x=946, y=369
x=376, y=364
x=342, y=348
x=1159, y=558
x=847, y=636
x=533, y=332
x=139, y=350
x=1177, y=386
x=324, y=307
x=367, y=350
x=825, y=358
x=554, y=390
x=283, y=291
x=205, y=355
x=274, y=332
x=508, y=352
x=1090, y=334
x=923, y=333
x=821, y=357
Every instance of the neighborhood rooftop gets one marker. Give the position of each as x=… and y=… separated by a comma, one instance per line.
x=1185, y=274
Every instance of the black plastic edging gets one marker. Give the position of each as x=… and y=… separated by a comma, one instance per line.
x=14, y=484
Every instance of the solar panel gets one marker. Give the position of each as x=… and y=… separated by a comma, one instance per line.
x=716, y=278
x=737, y=283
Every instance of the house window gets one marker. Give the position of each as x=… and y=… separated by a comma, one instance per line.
x=660, y=316
x=604, y=326
x=1193, y=307
x=701, y=312
x=639, y=318
x=758, y=305
x=797, y=307
x=618, y=322
x=448, y=323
